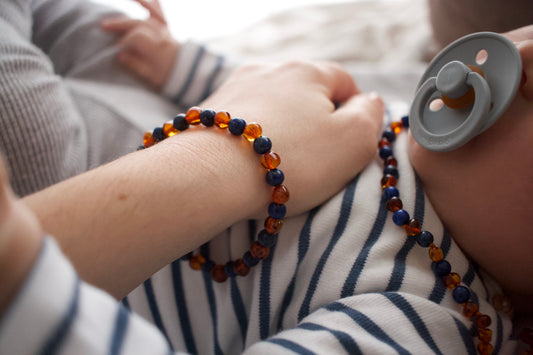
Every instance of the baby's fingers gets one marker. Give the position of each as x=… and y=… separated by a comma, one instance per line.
x=119, y=24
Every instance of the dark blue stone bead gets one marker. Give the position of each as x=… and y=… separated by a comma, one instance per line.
x=401, y=217
x=187, y=256
x=236, y=126
x=141, y=147
x=180, y=123
x=391, y=170
x=405, y=121
x=424, y=239
x=266, y=239
x=385, y=152
x=249, y=260
x=158, y=134
x=207, y=117
x=274, y=177
x=461, y=294
x=229, y=270
x=442, y=268
x=277, y=211
x=262, y=145
x=390, y=192
x=208, y=265
x=389, y=134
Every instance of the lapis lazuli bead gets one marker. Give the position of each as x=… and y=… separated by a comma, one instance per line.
x=405, y=121
x=249, y=260
x=442, y=268
x=461, y=294
x=158, y=134
x=228, y=269
x=389, y=134
x=424, y=239
x=180, y=123
x=277, y=211
x=207, y=117
x=385, y=152
x=400, y=217
x=262, y=145
x=390, y=192
x=266, y=239
x=208, y=265
x=236, y=126
x=274, y=177
x=391, y=170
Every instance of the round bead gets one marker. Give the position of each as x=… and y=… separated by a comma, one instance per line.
x=236, y=126
x=485, y=348
x=390, y=192
x=391, y=170
x=388, y=180
x=412, y=228
x=390, y=160
x=249, y=260
x=208, y=266
x=252, y=131
x=241, y=268
x=180, y=123
x=484, y=334
x=207, y=117
x=169, y=130
x=451, y=280
x=187, y=256
x=277, y=211
x=389, y=134
x=385, y=152
x=400, y=217
x=266, y=239
x=270, y=160
x=218, y=274
x=503, y=304
x=148, y=139
x=405, y=121
x=280, y=194
x=272, y=225
x=394, y=204
x=229, y=269
x=262, y=145
x=158, y=134
x=461, y=294
x=193, y=115
x=442, y=268
x=470, y=309
x=383, y=142
x=141, y=147
x=274, y=177
x=222, y=119
x=258, y=251
x=196, y=262
x=424, y=239
x=396, y=127
x=482, y=320
x=435, y=253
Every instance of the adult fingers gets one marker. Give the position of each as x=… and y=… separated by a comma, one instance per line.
x=363, y=112
x=339, y=82
x=119, y=24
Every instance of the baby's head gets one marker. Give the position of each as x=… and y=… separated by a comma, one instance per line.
x=483, y=191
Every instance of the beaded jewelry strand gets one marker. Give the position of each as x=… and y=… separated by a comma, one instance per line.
x=442, y=268
x=277, y=210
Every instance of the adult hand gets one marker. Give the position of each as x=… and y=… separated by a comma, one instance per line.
x=147, y=48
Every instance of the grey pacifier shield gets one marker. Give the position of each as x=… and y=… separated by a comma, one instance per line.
x=446, y=129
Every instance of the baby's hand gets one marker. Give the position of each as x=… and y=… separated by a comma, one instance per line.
x=147, y=49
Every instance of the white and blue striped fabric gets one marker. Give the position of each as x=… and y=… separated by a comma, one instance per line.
x=342, y=279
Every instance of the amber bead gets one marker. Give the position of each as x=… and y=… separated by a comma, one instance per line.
x=383, y=142
x=482, y=320
x=484, y=348
x=241, y=268
x=390, y=160
x=148, y=139
x=413, y=227
x=396, y=127
x=252, y=131
x=218, y=274
x=270, y=160
x=280, y=194
x=388, y=180
x=196, y=262
x=192, y=116
x=484, y=334
x=394, y=204
x=222, y=119
x=502, y=304
x=470, y=309
x=452, y=280
x=258, y=251
x=435, y=253
x=169, y=130
x=272, y=225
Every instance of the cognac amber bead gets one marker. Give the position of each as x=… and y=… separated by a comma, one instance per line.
x=388, y=180
x=383, y=142
x=252, y=131
x=280, y=194
x=396, y=127
x=482, y=320
x=196, y=262
x=484, y=348
x=394, y=204
x=218, y=274
x=222, y=119
x=390, y=160
x=169, y=130
x=241, y=268
x=452, y=280
x=484, y=334
x=470, y=309
x=148, y=139
x=502, y=304
x=270, y=160
x=258, y=251
x=193, y=116
x=413, y=227
x=272, y=225
x=435, y=253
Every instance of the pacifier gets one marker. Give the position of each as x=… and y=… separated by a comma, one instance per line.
x=465, y=89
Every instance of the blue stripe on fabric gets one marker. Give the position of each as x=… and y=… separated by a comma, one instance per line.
x=469, y=276
x=119, y=333
x=264, y=295
x=59, y=334
x=126, y=303
x=367, y=324
x=499, y=336
x=344, y=339
x=181, y=305
x=190, y=77
x=238, y=307
x=466, y=337
x=403, y=305
x=154, y=309
x=290, y=345
x=303, y=247
x=344, y=216
x=398, y=272
x=439, y=290
x=209, y=85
